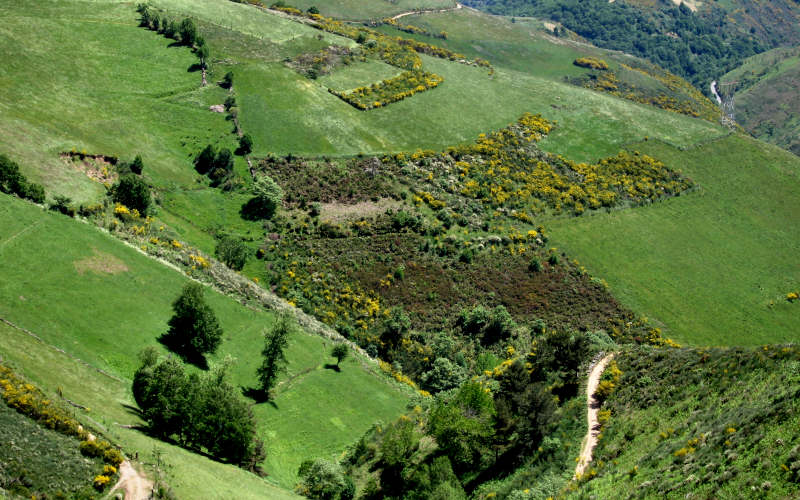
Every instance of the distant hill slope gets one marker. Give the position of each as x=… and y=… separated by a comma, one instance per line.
x=705, y=423
x=768, y=96
x=697, y=45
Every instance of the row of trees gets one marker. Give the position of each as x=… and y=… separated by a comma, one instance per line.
x=184, y=31
x=13, y=182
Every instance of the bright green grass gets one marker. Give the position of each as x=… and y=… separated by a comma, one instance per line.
x=707, y=265
x=467, y=103
x=101, y=84
x=106, y=319
x=190, y=475
x=521, y=46
x=242, y=18
x=359, y=74
x=762, y=66
x=369, y=9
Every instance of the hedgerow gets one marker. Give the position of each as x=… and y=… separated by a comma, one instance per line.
x=591, y=63
x=391, y=90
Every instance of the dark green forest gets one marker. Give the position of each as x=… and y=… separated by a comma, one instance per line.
x=697, y=46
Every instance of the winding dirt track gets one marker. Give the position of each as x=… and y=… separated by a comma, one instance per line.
x=592, y=407
x=412, y=12
x=135, y=485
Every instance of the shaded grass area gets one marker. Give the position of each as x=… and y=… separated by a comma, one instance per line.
x=130, y=300
x=39, y=461
x=713, y=266
x=711, y=423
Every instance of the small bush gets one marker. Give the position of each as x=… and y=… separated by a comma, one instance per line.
x=591, y=63
x=133, y=192
x=232, y=252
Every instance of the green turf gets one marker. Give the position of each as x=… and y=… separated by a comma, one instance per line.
x=95, y=81
x=129, y=311
x=359, y=74
x=708, y=265
x=469, y=102
x=524, y=46
x=766, y=96
x=108, y=401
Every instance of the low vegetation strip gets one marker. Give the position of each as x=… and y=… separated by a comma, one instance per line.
x=388, y=91
x=31, y=402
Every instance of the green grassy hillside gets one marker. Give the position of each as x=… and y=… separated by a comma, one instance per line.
x=713, y=266
x=707, y=423
x=370, y=9
x=766, y=96
x=129, y=295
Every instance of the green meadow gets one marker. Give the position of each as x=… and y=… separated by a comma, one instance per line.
x=102, y=301
x=713, y=266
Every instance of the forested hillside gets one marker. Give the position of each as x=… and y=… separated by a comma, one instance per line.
x=765, y=94
x=698, y=45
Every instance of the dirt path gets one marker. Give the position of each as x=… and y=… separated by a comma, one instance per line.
x=593, y=406
x=135, y=485
x=412, y=12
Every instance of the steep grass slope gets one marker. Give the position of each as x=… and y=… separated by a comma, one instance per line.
x=716, y=423
x=103, y=302
x=39, y=461
x=713, y=266
x=766, y=97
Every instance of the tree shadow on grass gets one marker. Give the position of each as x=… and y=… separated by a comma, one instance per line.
x=258, y=396
x=172, y=343
x=194, y=68
x=253, y=210
x=330, y=366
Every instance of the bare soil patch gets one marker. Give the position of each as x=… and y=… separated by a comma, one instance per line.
x=339, y=212
x=99, y=168
x=100, y=263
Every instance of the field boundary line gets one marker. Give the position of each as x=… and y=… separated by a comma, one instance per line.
x=19, y=233
x=62, y=351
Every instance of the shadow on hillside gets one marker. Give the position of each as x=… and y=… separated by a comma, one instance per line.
x=252, y=210
x=171, y=342
x=329, y=366
x=194, y=68
x=258, y=396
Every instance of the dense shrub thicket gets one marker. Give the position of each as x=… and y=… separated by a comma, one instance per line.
x=193, y=328
x=200, y=411
x=132, y=192
x=483, y=430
